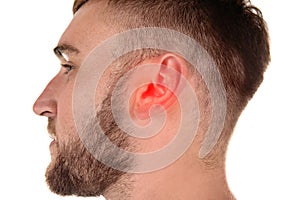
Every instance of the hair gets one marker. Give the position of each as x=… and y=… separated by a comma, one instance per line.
x=233, y=32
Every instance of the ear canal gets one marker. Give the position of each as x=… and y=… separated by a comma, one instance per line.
x=149, y=92
x=154, y=90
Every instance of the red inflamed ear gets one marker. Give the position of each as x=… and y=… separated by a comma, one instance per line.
x=161, y=92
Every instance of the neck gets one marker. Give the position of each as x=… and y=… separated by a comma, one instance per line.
x=179, y=181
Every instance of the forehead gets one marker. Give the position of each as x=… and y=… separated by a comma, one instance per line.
x=88, y=28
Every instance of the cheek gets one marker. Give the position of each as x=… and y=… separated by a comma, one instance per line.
x=102, y=89
x=66, y=129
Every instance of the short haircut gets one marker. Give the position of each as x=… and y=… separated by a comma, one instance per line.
x=233, y=32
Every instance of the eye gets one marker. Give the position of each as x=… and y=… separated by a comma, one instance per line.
x=67, y=68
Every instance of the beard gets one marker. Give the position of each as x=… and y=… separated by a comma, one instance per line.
x=75, y=171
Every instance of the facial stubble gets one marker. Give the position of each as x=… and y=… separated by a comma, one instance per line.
x=75, y=171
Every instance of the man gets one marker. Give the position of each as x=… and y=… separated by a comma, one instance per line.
x=185, y=95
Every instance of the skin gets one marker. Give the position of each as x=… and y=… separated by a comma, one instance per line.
x=187, y=178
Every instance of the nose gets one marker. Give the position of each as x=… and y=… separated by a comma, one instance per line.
x=46, y=104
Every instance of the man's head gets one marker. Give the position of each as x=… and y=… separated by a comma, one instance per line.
x=232, y=32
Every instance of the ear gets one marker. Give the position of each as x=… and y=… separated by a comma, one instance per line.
x=162, y=91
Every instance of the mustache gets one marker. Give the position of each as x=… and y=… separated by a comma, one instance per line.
x=51, y=126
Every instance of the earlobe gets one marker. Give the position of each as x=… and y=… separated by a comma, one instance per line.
x=162, y=91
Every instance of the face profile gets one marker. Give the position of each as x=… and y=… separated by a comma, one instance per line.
x=148, y=95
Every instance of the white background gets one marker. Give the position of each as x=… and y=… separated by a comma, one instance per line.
x=263, y=158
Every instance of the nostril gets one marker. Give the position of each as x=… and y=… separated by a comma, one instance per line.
x=45, y=108
x=46, y=113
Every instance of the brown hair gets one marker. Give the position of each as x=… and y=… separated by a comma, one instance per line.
x=232, y=31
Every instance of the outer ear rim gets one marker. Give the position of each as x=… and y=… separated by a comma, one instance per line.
x=165, y=88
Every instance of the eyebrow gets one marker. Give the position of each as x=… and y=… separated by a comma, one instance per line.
x=78, y=4
x=62, y=49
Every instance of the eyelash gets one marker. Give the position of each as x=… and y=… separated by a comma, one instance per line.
x=68, y=68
